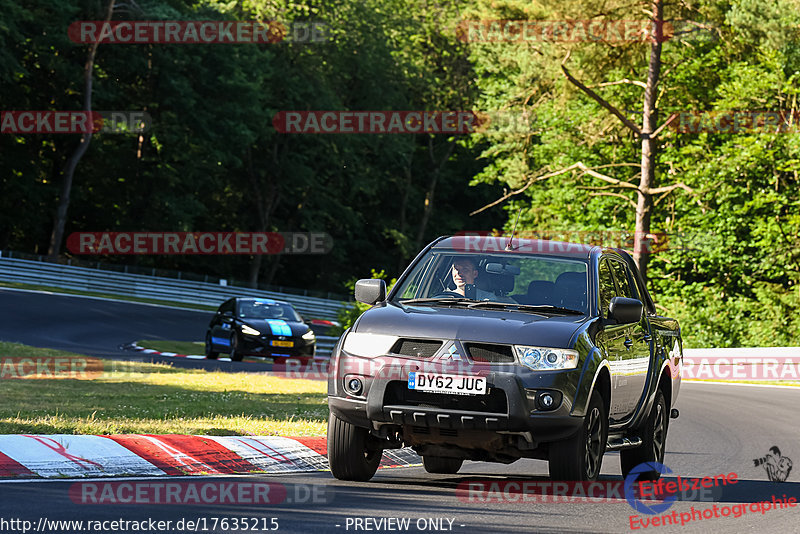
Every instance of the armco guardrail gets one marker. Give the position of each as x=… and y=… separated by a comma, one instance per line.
x=153, y=287
x=325, y=346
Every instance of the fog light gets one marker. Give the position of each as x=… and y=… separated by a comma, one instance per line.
x=544, y=401
x=353, y=385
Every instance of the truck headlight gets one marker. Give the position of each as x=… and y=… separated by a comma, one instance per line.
x=545, y=358
x=309, y=336
x=368, y=345
x=250, y=331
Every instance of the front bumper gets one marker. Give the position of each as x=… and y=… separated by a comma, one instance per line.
x=509, y=405
x=260, y=346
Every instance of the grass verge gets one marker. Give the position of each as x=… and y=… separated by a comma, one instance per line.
x=121, y=397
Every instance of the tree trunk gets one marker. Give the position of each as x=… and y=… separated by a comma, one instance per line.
x=57, y=236
x=647, y=134
x=402, y=261
x=255, y=268
x=429, y=194
x=265, y=207
x=644, y=204
x=290, y=223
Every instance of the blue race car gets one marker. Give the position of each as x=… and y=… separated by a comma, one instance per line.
x=259, y=327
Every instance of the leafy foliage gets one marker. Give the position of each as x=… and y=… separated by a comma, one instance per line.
x=213, y=161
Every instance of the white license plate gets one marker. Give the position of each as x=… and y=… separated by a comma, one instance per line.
x=455, y=384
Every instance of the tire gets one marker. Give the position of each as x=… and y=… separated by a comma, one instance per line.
x=349, y=454
x=210, y=354
x=581, y=456
x=236, y=356
x=442, y=466
x=653, y=444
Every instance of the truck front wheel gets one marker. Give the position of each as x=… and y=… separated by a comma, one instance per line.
x=352, y=453
x=581, y=456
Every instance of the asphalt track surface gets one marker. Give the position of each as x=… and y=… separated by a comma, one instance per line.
x=98, y=327
x=722, y=428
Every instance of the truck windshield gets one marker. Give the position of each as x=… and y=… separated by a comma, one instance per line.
x=532, y=280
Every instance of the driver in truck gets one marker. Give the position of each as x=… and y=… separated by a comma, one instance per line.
x=465, y=272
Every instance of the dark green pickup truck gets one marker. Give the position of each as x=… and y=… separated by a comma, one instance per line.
x=494, y=351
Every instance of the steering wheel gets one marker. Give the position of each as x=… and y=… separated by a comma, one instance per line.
x=449, y=294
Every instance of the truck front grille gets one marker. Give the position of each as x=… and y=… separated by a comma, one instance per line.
x=488, y=353
x=417, y=348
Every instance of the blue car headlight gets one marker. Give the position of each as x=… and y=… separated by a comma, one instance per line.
x=546, y=358
x=250, y=331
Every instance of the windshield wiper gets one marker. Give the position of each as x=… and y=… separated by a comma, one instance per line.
x=436, y=300
x=472, y=303
x=525, y=307
x=557, y=309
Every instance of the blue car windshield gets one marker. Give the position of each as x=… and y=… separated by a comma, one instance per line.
x=529, y=279
x=267, y=310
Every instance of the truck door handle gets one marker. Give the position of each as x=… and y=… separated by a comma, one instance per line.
x=628, y=342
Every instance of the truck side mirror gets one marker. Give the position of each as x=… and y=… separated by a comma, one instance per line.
x=370, y=290
x=625, y=310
